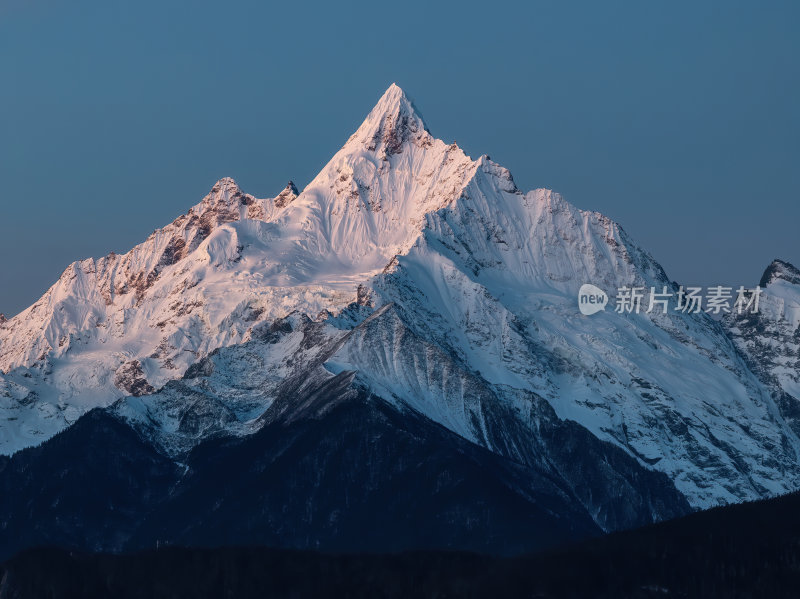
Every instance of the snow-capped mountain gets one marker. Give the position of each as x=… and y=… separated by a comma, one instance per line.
x=770, y=338
x=408, y=274
x=128, y=324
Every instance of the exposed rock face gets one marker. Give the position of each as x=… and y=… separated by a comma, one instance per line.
x=287, y=196
x=363, y=296
x=131, y=379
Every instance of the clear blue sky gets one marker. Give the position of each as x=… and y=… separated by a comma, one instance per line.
x=677, y=119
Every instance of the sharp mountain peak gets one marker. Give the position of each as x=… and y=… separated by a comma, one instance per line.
x=780, y=270
x=394, y=120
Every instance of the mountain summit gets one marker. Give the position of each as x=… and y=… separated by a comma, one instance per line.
x=394, y=121
x=780, y=270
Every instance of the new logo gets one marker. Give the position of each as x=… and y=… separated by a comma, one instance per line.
x=591, y=299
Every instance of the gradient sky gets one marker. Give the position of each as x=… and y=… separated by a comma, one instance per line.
x=677, y=119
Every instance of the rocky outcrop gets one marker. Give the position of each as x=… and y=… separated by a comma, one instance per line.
x=287, y=196
x=130, y=378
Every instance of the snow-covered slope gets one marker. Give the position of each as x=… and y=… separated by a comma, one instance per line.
x=444, y=288
x=495, y=279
